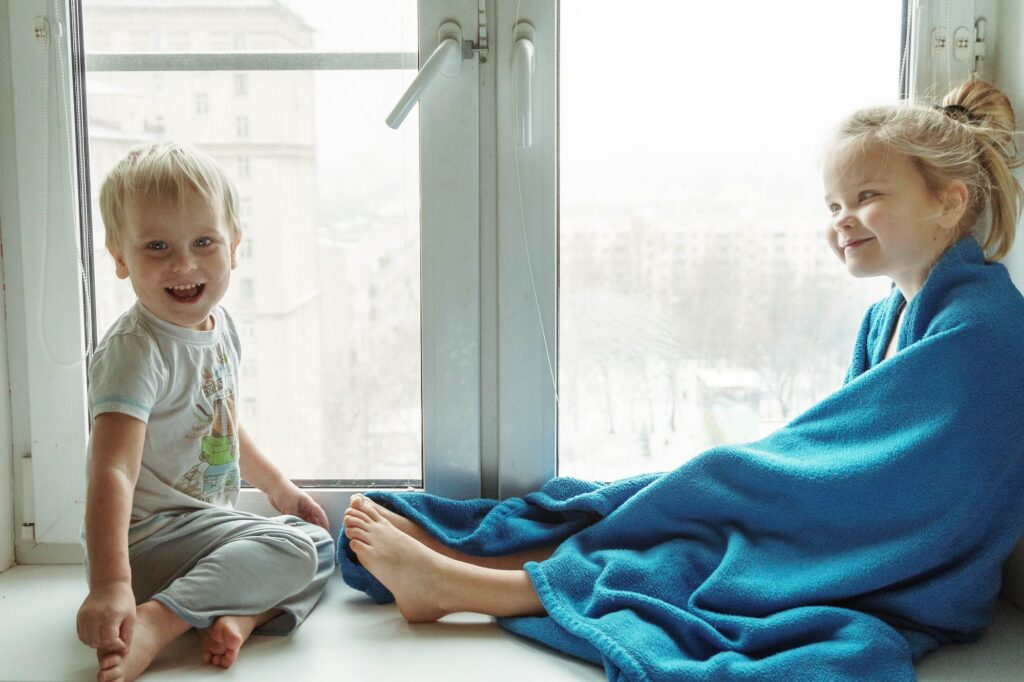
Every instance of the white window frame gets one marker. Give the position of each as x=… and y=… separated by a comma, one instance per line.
x=526, y=281
x=48, y=406
x=51, y=451
x=489, y=373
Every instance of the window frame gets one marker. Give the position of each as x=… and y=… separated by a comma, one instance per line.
x=489, y=263
x=449, y=270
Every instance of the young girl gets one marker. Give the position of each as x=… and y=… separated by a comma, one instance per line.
x=845, y=545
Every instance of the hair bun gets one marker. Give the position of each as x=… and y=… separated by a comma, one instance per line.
x=989, y=108
x=959, y=112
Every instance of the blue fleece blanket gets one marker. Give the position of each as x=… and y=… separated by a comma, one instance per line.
x=841, y=547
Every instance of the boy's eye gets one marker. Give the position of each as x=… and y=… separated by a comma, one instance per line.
x=203, y=241
x=867, y=194
x=156, y=245
x=833, y=208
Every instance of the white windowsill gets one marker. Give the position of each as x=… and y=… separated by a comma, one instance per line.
x=348, y=637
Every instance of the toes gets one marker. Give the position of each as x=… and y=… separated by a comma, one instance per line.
x=354, y=516
x=354, y=534
x=109, y=660
x=371, y=510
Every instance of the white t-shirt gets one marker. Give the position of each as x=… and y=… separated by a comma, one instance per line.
x=184, y=385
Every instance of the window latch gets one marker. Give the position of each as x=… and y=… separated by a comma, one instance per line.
x=446, y=60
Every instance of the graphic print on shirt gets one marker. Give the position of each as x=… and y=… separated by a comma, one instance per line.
x=215, y=478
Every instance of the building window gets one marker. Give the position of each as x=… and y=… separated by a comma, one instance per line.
x=242, y=127
x=241, y=84
x=202, y=103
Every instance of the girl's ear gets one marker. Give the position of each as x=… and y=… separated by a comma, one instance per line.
x=234, y=251
x=954, y=204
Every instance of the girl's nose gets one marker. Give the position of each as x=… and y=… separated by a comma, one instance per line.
x=842, y=220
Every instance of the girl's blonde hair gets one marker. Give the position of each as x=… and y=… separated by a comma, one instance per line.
x=969, y=138
x=166, y=171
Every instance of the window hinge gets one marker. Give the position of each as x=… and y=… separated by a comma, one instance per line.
x=41, y=31
x=28, y=532
x=27, y=497
x=481, y=32
x=980, y=33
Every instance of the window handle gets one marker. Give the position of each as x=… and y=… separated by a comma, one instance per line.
x=522, y=74
x=446, y=59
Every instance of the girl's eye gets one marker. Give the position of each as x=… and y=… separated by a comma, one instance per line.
x=864, y=196
x=156, y=246
x=203, y=241
x=833, y=208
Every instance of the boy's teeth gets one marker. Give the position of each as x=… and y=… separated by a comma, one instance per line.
x=185, y=290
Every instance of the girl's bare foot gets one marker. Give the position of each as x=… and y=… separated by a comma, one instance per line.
x=223, y=639
x=400, y=522
x=407, y=526
x=156, y=626
x=404, y=565
x=428, y=585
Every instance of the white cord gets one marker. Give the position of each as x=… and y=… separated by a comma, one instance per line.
x=950, y=46
x=526, y=240
x=44, y=228
x=904, y=84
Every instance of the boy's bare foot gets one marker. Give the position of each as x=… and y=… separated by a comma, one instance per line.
x=223, y=639
x=413, y=572
x=155, y=627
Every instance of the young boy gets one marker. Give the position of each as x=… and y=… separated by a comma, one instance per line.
x=165, y=549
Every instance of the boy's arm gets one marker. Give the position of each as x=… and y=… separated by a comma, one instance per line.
x=285, y=496
x=107, y=615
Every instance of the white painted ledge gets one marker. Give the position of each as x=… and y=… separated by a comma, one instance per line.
x=349, y=638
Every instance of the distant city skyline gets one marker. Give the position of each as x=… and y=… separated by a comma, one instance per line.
x=691, y=219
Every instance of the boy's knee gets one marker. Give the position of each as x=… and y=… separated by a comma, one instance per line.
x=297, y=549
x=325, y=548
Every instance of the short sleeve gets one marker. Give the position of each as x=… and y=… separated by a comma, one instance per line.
x=231, y=334
x=126, y=375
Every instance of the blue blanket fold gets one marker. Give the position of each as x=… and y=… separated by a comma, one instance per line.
x=869, y=530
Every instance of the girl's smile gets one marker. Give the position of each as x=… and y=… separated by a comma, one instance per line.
x=885, y=219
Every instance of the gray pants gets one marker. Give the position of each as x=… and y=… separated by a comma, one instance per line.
x=217, y=562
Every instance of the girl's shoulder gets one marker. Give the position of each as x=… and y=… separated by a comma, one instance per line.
x=978, y=297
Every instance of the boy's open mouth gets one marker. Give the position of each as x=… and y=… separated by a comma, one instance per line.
x=185, y=292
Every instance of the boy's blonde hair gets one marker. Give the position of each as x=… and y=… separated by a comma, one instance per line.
x=166, y=171
x=969, y=138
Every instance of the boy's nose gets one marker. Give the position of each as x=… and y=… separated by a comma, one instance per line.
x=183, y=262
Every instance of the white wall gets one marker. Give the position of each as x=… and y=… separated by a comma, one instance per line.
x=1008, y=74
x=8, y=206
x=1008, y=69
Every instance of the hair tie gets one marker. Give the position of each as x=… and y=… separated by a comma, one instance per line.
x=959, y=113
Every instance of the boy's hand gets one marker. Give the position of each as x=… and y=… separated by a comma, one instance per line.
x=106, y=618
x=291, y=499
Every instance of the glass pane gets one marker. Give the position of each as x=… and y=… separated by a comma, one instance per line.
x=326, y=295
x=244, y=26
x=699, y=303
